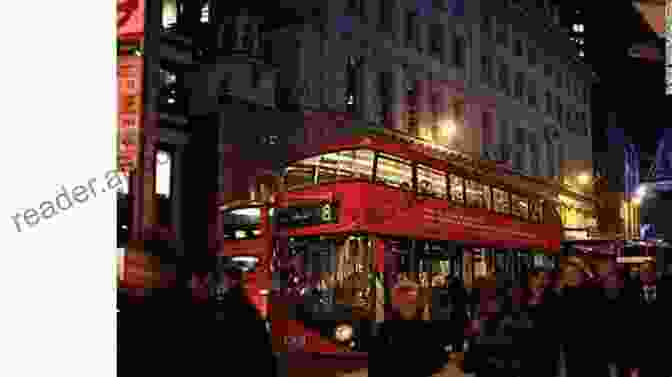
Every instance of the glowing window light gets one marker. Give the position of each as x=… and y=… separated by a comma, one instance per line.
x=163, y=172
x=205, y=14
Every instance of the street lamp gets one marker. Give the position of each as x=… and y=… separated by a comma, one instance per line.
x=583, y=179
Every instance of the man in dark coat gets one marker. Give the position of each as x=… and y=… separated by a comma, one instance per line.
x=653, y=311
x=407, y=345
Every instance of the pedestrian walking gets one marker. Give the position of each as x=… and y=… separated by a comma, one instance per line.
x=614, y=308
x=538, y=346
x=407, y=345
x=578, y=337
x=492, y=351
x=652, y=330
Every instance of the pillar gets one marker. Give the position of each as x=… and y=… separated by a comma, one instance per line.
x=398, y=94
x=364, y=92
x=425, y=121
x=397, y=22
x=178, y=197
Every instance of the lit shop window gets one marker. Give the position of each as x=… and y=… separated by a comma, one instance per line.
x=578, y=28
x=432, y=182
x=169, y=13
x=501, y=202
x=163, y=173
x=205, y=14
x=519, y=206
x=457, y=189
x=394, y=172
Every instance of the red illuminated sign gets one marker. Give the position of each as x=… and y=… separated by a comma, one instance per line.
x=129, y=75
x=130, y=20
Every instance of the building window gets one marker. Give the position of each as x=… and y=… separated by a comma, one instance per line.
x=439, y=4
x=578, y=28
x=519, y=87
x=532, y=93
x=384, y=14
x=384, y=84
x=534, y=154
x=436, y=41
x=504, y=132
x=548, y=69
x=558, y=80
x=163, y=179
x=558, y=110
x=503, y=34
x=256, y=76
x=351, y=97
x=518, y=47
x=459, y=53
x=518, y=157
x=501, y=203
x=205, y=14
x=549, y=102
x=169, y=14
x=486, y=26
x=394, y=171
x=457, y=189
x=532, y=55
x=504, y=78
x=519, y=206
x=432, y=182
x=163, y=172
x=550, y=157
x=486, y=69
x=487, y=129
x=411, y=24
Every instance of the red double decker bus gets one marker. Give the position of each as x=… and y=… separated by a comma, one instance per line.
x=371, y=205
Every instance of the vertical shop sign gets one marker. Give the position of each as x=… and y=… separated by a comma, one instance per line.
x=130, y=20
x=668, y=46
x=129, y=76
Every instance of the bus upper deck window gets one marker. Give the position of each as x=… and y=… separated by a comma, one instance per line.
x=519, y=206
x=432, y=182
x=501, y=201
x=393, y=171
x=457, y=189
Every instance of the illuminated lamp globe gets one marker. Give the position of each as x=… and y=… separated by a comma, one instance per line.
x=583, y=179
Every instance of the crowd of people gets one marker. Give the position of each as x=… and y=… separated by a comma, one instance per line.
x=607, y=323
x=571, y=323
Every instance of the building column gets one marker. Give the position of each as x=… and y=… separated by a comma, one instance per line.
x=543, y=159
x=364, y=92
x=398, y=94
x=397, y=22
x=441, y=128
x=424, y=107
x=178, y=197
x=422, y=30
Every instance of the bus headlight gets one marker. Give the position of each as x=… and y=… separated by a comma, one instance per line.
x=343, y=333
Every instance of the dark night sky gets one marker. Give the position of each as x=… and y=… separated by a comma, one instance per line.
x=633, y=88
